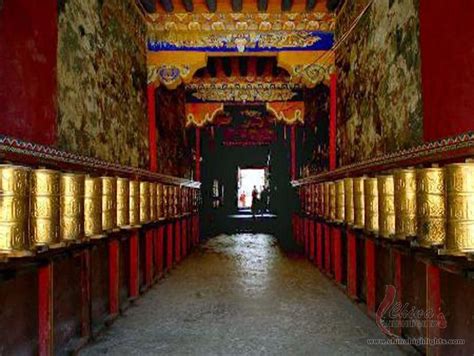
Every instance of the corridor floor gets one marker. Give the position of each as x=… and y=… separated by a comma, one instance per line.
x=237, y=295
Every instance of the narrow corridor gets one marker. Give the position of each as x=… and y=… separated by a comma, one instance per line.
x=240, y=294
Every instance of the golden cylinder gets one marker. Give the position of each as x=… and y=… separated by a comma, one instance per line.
x=134, y=203
x=320, y=205
x=332, y=201
x=71, y=207
x=93, y=207
x=326, y=200
x=386, y=189
x=371, y=205
x=44, y=207
x=109, y=203
x=405, y=202
x=144, y=202
x=349, y=201
x=166, y=200
x=431, y=207
x=123, y=202
x=14, y=207
x=159, y=199
x=175, y=201
x=153, y=203
x=359, y=202
x=340, y=201
x=460, y=207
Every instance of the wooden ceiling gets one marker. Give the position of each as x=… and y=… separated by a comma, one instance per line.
x=246, y=6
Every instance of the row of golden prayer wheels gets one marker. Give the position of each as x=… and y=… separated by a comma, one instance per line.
x=432, y=206
x=47, y=208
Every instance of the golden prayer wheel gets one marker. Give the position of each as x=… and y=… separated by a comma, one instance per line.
x=340, y=201
x=71, y=202
x=431, y=206
x=460, y=208
x=195, y=200
x=332, y=201
x=371, y=205
x=326, y=200
x=44, y=207
x=349, y=201
x=166, y=200
x=123, y=202
x=134, y=203
x=153, y=203
x=14, y=207
x=109, y=203
x=320, y=210
x=359, y=202
x=386, y=189
x=175, y=201
x=405, y=202
x=93, y=207
x=144, y=202
x=314, y=208
x=159, y=200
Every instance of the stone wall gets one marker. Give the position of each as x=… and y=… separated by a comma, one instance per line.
x=102, y=81
x=379, y=80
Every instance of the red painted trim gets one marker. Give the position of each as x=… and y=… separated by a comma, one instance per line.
x=169, y=246
x=332, y=121
x=398, y=284
x=149, y=258
x=86, y=294
x=198, y=155
x=184, y=238
x=160, y=238
x=45, y=310
x=433, y=303
x=114, y=276
x=152, y=128
x=370, y=275
x=134, y=267
x=337, y=238
x=319, y=245
x=177, y=244
x=312, y=241
x=351, y=263
x=293, y=151
x=327, y=249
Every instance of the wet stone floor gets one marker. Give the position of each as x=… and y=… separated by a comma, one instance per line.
x=240, y=295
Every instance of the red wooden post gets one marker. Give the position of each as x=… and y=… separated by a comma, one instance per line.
x=293, y=151
x=197, y=230
x=177, y=242
x=152, y=128
x=351, y=263
x=319, y=245
x=45, y=310
x=332, y=121
x=337, y=238
x=306, y=236
x=169, y=246
x=134, y=261
x=190, y=233
x=184, y=238
x=312, y=241
x=398, y=285
x=433, y=304
x=85, y=294
x=160, y=236
x=327, y=249
x=114, y=277
x=148, y=258
x=198, y=154
x=370, y=275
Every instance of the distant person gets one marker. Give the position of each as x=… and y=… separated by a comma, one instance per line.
x=264, y=200
x=242, y=199
x=254, y=200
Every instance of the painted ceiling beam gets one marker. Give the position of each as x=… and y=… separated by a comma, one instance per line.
x=167, y=5
x=310, y=4
x=286, y=5
x=262, y=5
x=211, y=5
x=236, y=5
x=188, y=5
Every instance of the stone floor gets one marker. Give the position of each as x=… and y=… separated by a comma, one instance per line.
x=238, y=295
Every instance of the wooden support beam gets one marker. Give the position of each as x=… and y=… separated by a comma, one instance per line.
x=177, y=241
x=262, y=5
x=327, y=248
x=148, y=258
x=184, y=238
x=312, y=240
x=197, y=169
x=114, y=281
x=370, y=276
x=306, y=236
x=169, y=246
x=351, y=263
x=211, y=5
x=45, y=309
x=236, y=5
x=319, y=245
x=397, y=256
x=152, y=127
x=134, y=266
x=167, y=5
x=86, y=317
x=433, y=305
x=286, y=5
x=337, y=240
x=188, y=5
x=159, y=252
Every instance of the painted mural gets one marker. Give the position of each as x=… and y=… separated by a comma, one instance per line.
x=173, y=145
x=379, y=81
x=102, y=81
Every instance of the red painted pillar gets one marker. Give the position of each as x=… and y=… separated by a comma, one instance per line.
x=433, y=303
x=86, y=294
x=177, y=243
x=190, y=233
x=319, y=245
x=198, y=154
x=169, y=246
x=327, y=249
x=351, y=263
x=312, y=241
x=184, y=238
x=134, y=268
x=337, y=239
x=45, y=310
x=293, y=151
x=370, y=275
x=152, y=128
x=398, y=285
x=332, y=121
x=114, y=277
x=306, y=236
x=198, y=231
x=159, y=243
x=148, y=258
